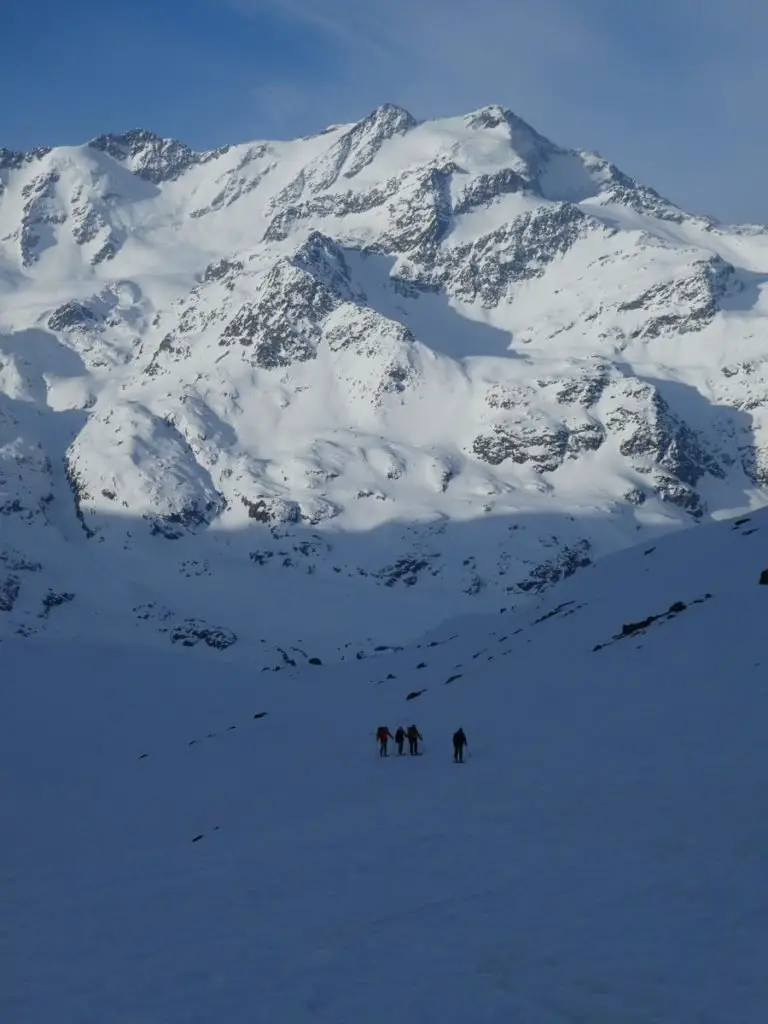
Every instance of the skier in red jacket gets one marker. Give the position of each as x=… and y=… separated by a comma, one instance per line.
x=383, y=735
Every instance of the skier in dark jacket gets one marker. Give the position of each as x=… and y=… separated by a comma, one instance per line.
x=414, y=736
x=383, y=735
x=400, y=738
x=459, y=742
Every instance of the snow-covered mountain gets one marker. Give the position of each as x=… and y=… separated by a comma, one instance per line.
x=181, y=846
x=315, y=396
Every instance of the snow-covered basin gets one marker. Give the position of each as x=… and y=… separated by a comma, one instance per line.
x=600, y=857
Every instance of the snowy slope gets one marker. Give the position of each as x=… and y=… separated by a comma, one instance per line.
x=169, y=857
x=325, y=393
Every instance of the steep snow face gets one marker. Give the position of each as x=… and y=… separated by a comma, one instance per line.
x=185, y=844
x=325, y=393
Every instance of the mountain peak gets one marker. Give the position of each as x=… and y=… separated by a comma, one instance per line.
x=124, y=144
x=397, y=117
x=494, y=115
x=149, y=155
x=356, y=364
x=12, y=160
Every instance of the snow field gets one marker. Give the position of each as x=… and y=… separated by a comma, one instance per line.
x=601, y=856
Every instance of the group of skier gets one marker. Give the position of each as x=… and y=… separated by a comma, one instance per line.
x=412, y=734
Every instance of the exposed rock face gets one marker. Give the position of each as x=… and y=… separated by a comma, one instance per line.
x=650, y=433
x=71, y=314
x=272, y=510
x=9, y=591
x=485, y=270
x=565, y=563
x=149, y=156
x=444, y=362
x=193, y=631
x=543, y=449
x=281, y=333
x=697, y=296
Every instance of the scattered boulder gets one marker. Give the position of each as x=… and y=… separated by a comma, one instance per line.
x=9, y=592
x=192, y=631
x=54, y=600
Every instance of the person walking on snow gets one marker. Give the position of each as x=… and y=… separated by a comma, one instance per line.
x=383, y=735
x=400, y=739
x=414, y=736
x=459, y=742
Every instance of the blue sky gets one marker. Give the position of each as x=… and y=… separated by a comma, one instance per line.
x=671, y=90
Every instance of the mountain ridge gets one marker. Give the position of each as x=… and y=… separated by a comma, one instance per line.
x=387, y=329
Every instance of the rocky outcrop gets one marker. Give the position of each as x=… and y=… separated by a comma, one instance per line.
x=566, y=562
x=354, y=150
x=542, y=448
x=71, y=315
x=284, y=325
x=484, y=271
x=10, y=587
x=754, y=462
x=405, y=571
x=684, y=305
x=585, y=388
x=273, y=510
x=421, y=216
x=189, y=518
x=676, y=493
x=625, y=191
x=649, y=432
x=194, y=631
x=338, y=204
x=483, y=190
x=41, y=212
x=54, y=599
x=222, y=270
x=151, y=157
x=584, y=437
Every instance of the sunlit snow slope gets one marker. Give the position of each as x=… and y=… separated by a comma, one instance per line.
x=323, y=393
x=169, y=858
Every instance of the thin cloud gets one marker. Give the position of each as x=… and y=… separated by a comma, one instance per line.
x=670, y=91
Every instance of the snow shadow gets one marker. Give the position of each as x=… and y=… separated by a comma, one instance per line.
x=351, y=590
x=723, y=432
x=749, y=296
x=37, y=355
x=611, y=808
x=30, y=361
x=433, y=318
x=316, y=591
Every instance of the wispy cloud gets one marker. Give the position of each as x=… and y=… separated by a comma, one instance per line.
x=673, y=91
